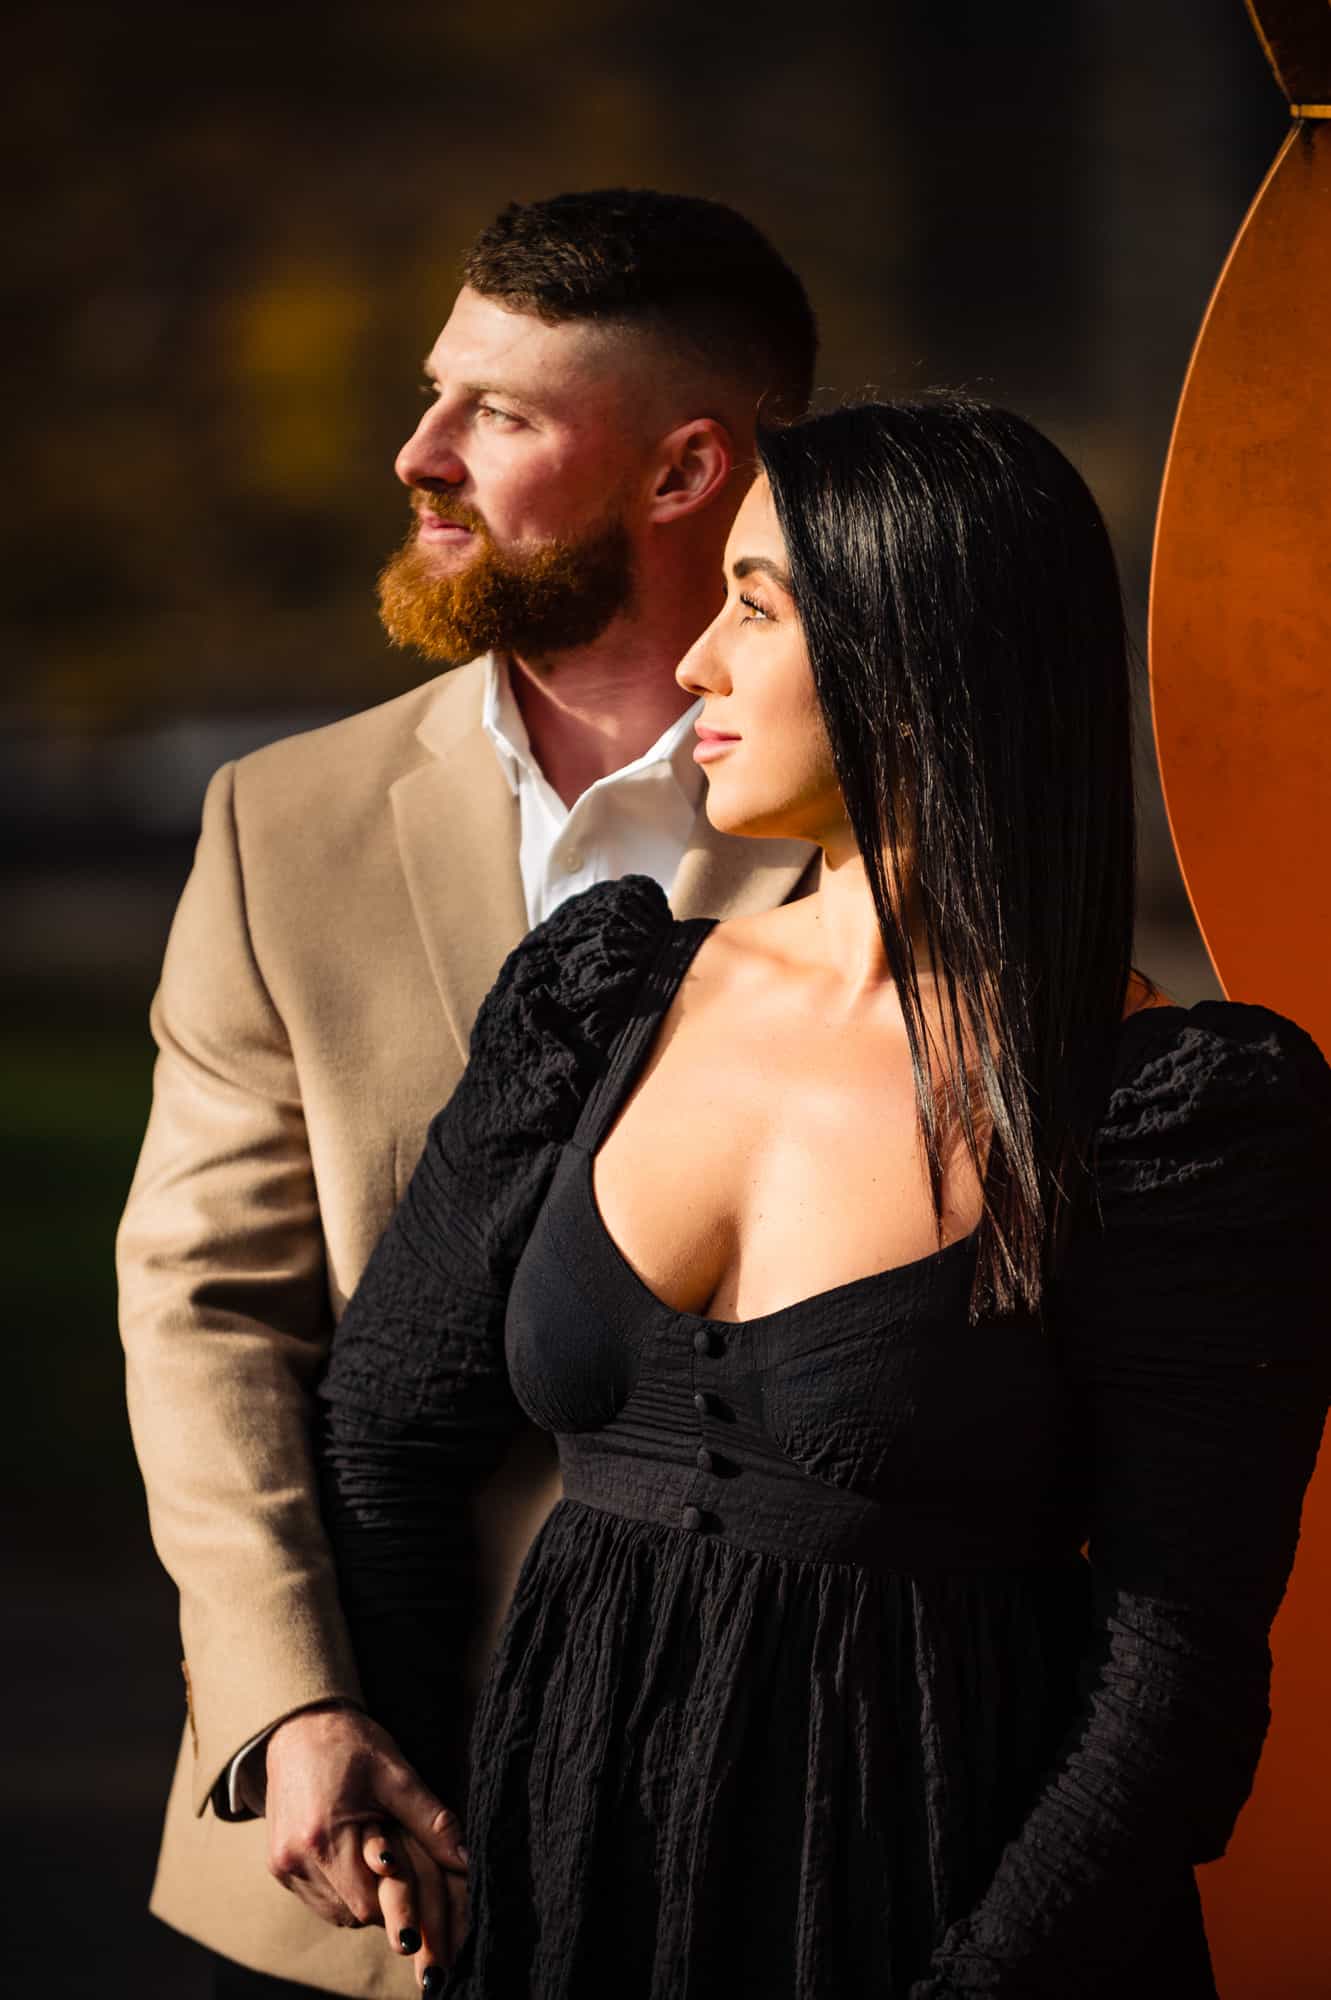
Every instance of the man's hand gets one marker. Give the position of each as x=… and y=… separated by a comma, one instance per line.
x=334, y=1775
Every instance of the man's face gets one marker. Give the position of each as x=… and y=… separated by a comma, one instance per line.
x=526, y=473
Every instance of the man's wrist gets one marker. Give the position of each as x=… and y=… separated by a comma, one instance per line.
x=314, y=1709
x=246, y=1778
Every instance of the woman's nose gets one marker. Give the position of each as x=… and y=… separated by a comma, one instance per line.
x=429, y=458
x=702, y=669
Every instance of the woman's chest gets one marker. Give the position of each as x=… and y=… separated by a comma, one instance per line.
x=880, y=1387
x=738, y=1179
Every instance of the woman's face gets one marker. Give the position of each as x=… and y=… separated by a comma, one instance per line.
x=761, y=736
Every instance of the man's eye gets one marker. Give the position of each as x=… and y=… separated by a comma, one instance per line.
x=429, y=391
x=501, y=417
x=758, y=610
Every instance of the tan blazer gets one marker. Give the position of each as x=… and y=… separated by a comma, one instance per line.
x=354, y=893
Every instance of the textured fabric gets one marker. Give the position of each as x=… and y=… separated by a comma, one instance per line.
x=806, y=1688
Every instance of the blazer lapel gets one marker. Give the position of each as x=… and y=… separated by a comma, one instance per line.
x=721, y=875
x=458, y=828
x=457, y=833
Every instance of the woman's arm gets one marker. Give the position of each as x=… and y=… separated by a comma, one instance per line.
x=1196, y=1341
x=417, y=1402
x=417, y=1411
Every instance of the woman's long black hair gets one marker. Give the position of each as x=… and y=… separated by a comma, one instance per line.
x=961, y=606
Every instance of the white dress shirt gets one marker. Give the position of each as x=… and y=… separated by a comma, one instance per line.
x=633, y=822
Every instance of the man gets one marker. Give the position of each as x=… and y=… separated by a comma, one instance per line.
x=592, y=402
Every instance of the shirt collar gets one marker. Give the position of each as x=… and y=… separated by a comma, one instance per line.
x=501, y=719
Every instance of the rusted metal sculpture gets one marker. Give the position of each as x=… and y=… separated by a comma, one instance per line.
x=1241, y=693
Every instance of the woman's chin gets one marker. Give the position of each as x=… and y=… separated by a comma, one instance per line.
x=730, y=816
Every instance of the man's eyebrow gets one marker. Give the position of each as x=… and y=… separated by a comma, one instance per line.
x=500, y=389
x=475, y=389
x=746, y=565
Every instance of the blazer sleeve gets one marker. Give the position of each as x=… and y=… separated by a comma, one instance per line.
x=1195, y=1333
x=225, y=1319
x=417, y=1400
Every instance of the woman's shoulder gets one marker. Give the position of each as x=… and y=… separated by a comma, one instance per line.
x=1222, y=1089
x=1212, y=1182
x=568, y=986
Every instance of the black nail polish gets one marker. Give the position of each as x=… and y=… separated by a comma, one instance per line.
x=409, y=1941
x=387, y=1858
x=433, y=1981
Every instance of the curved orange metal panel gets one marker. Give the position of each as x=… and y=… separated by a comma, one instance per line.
x=1241, y=602
x=1240, y=652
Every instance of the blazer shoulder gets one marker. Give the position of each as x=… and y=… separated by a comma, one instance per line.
x=360, y=755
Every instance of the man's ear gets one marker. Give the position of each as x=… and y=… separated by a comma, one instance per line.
x=693, y=464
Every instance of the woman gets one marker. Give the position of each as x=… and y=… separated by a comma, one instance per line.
x=867, y=1258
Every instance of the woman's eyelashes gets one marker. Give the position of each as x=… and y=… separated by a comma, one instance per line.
x=756, y=609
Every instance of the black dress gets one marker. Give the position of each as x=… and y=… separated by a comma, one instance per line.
x=806, y=1688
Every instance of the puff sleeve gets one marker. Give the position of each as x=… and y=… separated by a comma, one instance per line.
x=417, y=1405
x=1194, y=1333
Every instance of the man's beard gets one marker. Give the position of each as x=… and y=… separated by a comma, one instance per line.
x=537, y=600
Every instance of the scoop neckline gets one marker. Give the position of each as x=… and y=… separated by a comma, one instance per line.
x=833, y=1293
x=684, y=941
x=685, y=938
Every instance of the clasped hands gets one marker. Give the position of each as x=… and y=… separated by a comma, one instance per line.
x=361, y=1840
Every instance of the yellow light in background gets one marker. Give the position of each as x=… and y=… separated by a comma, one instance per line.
x=288, y=352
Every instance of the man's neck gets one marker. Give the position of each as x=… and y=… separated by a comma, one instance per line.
x=597, y=709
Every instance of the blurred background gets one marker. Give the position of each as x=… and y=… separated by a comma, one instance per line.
x=235, y=236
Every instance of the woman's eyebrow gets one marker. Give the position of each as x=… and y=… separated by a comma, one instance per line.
x=746, y=565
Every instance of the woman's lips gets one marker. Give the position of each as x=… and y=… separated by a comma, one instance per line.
x=712, y=743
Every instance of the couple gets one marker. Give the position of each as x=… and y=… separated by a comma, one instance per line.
x=865, y=1254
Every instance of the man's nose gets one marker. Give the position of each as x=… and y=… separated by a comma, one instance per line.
x=429, y=457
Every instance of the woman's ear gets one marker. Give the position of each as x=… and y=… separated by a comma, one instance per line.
x=693, y=466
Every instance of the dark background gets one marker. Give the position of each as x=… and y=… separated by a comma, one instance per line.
x=233, y=241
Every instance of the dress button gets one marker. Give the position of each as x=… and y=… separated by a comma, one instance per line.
x=692, y=1517
x=572, y=861
x=706, y=1342
x=706, y=1463
x=701, y=1403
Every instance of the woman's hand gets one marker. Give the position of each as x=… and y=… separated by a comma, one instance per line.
x=423, y=1905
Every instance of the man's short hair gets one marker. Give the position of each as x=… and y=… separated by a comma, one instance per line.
x=693, y=272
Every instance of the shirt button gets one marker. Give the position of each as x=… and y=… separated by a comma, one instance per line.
x=692, y=1518
x=706, y=1463
x=701, y=1404
x=706, y=1342
x=572, y=861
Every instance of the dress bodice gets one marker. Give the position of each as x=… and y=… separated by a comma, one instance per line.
x=869, y=1423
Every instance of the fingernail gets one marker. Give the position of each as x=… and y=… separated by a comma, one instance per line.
x=464, y=1857
x=433, y=1981
x=409, y=1941
x=387, y=1858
